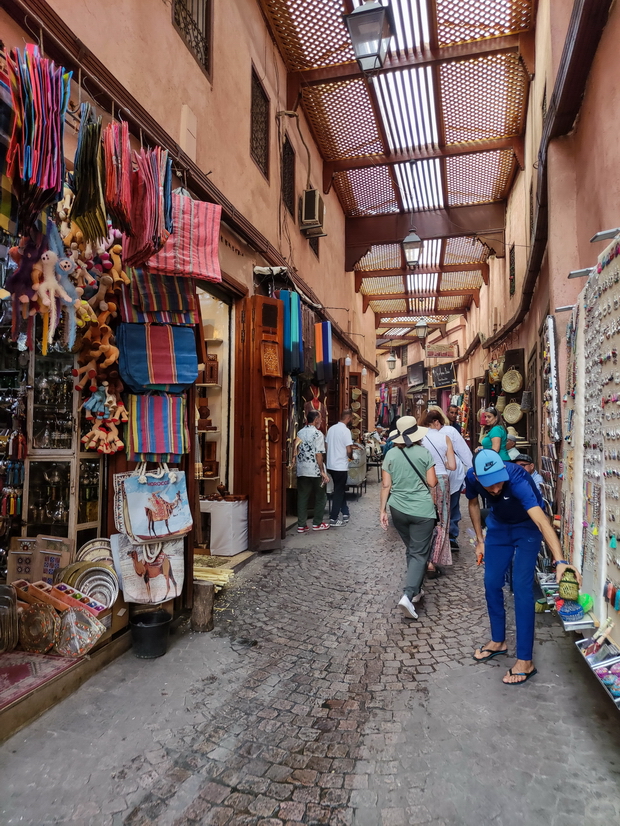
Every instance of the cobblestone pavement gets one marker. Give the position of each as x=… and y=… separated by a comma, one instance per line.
x=316, y=702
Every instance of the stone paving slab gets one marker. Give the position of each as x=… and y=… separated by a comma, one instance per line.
x=316, y=702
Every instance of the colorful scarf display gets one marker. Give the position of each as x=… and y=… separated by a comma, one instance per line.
x=293, y=343
x=117, y=164
x=36, y=154
x=323, y=350
x=192, y=249
x=151, y=211
x=88, y=210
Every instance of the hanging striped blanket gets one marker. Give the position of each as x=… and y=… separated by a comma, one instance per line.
x=157, y=428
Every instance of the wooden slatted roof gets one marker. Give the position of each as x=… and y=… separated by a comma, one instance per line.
x=439, y=128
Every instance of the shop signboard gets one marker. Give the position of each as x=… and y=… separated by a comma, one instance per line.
x=442, y=351
x=443, y=375
x=415, y=374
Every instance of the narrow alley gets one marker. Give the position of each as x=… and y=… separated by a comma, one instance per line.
x=316, y=702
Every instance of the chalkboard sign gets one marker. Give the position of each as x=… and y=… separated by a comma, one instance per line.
x=415, y=374
x=443, y=375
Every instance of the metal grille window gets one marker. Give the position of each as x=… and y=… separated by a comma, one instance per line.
x=512, y=271
x=314, y=245
x=192, y=19
x=259, y=125
x=404, y=353
x=288, y=176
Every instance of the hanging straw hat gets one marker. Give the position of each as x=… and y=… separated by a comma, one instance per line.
x=356, y=393
x=438, y=409
x=512, y=434
x=408, y=431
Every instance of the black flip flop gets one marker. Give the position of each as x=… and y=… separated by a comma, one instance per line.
x=490, y=655
x=525, y=674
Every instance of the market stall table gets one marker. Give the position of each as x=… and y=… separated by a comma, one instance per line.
x=229, y=526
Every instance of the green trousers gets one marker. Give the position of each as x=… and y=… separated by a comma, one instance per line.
x=306, y=485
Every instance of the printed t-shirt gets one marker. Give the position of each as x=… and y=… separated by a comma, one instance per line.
x=517, y=496
x=338, y=439
x=409, y=494
x=497, y=431
x=312, y=442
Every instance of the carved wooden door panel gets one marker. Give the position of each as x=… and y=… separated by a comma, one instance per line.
x=258, y=417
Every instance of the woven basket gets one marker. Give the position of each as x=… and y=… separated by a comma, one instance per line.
x=569, y=586
x=482, y=390
x=512, y=412
x=500, y=404
x=512, y=381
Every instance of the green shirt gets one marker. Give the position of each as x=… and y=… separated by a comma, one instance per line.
x=409, y=494
x=497, y=431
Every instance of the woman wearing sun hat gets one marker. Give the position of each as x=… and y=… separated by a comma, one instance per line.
x=408, y=476
x=516, y=525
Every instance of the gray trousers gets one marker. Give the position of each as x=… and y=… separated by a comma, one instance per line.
x=417, y=533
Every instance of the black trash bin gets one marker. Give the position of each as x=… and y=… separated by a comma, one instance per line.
x=149, y=634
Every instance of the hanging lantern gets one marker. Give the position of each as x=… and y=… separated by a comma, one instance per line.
x=371, y=27
x=391, y=361
x=421, y=329
x=412, y=246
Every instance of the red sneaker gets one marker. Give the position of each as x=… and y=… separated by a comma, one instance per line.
x=322, y=527
x=305, y=529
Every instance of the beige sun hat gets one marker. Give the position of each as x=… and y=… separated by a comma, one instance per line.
x=408, y=431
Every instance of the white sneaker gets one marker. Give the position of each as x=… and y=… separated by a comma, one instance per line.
x=406, y=606
x=418, y=597
x=336, y=523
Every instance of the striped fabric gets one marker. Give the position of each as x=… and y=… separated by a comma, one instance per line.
x=156, y=292
x=192, y=249
x=293, y=344
x=323, y=350
x=132, y=313
x=157, y=357
x=157, y=428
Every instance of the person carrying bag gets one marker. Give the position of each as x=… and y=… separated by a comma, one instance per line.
x=408, y=476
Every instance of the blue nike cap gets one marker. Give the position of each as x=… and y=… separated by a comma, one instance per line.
x=489, y=468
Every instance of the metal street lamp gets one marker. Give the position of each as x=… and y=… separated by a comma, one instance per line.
x=371, y=27
x=421, y=329
x=391, y=361
x=412, y=246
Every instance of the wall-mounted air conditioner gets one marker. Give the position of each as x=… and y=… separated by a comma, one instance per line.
x=311, y=213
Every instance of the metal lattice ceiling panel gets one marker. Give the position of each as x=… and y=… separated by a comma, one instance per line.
x=342, y=118
x=310, y=34
x=476, y=179
x=411, y=22
x=422, y=305
x=431, y=254
x=382, y=257
x=395, y=306
x=465, y=251
x=422, y=282
x=459, y=21
x=468, y=280
x=398, y=331
x=483, y=98
x=407, y=103
x=382, y=286
x=366, y=191
x=420, y=184
x=453, y=302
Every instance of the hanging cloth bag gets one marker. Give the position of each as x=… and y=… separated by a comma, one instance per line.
x=157, y=357
x=157, y=504
x=149, y=574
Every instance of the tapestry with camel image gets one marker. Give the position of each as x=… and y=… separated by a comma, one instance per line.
x=157, y=506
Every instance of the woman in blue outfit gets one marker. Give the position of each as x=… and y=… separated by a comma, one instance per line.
x=516, y=525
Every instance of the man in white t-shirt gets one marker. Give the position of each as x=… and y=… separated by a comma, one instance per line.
x=339, y=450
x=311, y=476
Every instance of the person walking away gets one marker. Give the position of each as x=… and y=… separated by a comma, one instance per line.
x=496, y=434
x=440, y=447
x=463, y=456
x=453, y=418
x=311, y=475
x=516, y=525
x=339, y=450
x=407, y=480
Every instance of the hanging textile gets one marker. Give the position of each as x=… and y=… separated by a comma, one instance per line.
x=8, y=201
x=157, y=357
x=88, y=210
x=134, y=315
x=152, y=292
x=151, y=217
x=323, y=350
x=293, y=344
x=117, y=165
x=36, y=156
x=192, y=249
x=157, y=428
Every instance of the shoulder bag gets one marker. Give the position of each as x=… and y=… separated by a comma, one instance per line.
x=424, y=482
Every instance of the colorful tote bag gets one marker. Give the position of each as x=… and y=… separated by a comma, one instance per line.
x=149, y=574
x=157, y=505
x=192, y=249
x=156, y=292
x=157, y=357
x=157, y=428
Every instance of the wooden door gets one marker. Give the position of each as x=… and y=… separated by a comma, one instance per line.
x=259, y=426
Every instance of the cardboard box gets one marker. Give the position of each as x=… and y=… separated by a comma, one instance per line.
x=115, y=619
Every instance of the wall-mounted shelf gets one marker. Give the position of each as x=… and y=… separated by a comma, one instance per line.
x=214, y=386
x=209, y=432
x=214, y=340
